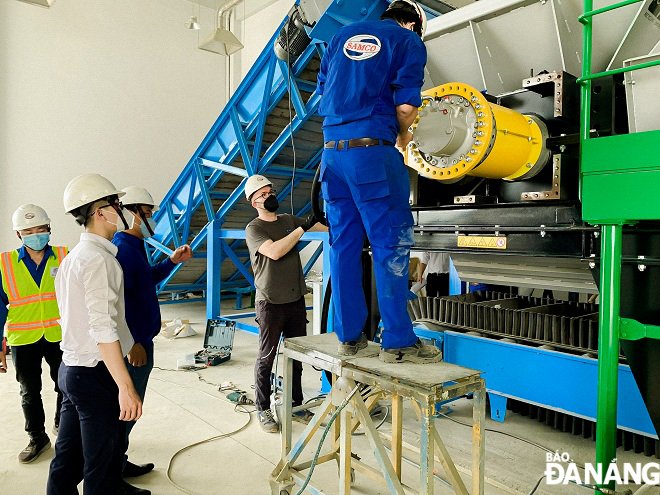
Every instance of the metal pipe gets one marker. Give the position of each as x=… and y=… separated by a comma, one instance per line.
x=608, y=345
x=602, y=10
x=223, y=13
x=585, y=91
x=620, y=70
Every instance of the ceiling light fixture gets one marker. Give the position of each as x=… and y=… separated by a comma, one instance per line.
x=223, y=41
x=40, y=3
x=192, y=23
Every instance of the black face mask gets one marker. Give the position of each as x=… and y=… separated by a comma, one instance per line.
x=271, y=204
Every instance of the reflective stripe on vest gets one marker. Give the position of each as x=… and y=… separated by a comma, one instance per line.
x=33, y=311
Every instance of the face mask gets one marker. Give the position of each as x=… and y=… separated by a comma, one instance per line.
x=147, y=231
x=36, y=241
x=121, y=222
x=271, y=203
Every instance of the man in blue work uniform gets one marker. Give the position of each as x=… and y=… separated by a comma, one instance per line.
x=371, y=78
x=141, y=301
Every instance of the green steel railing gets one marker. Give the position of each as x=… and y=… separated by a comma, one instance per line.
x=612, y=327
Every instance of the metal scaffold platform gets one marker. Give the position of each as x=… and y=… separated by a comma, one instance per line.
x=424, y=384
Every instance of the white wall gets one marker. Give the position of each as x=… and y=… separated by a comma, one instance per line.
x=110, y=86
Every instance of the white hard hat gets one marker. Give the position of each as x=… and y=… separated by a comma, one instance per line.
x=135, y=195
x=28, y=216
x=254, y=183
x=86, y=189
x=412, y=8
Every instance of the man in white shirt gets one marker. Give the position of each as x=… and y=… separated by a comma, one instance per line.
x=434, y=268
x=97, y=389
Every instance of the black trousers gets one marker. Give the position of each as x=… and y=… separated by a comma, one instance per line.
x=274, y=321
x=27, y=361
x=437, y=284
x=89, y=442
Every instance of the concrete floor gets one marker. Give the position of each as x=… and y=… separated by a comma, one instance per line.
x=180, y=410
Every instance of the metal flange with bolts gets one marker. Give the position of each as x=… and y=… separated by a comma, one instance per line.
x=459, y=133
x=424, y=384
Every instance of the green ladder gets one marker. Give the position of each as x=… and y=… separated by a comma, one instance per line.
x=616, y=171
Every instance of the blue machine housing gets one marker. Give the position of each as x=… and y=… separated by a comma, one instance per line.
x=554, y=380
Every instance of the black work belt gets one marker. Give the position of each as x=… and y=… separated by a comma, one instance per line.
x=355, y=143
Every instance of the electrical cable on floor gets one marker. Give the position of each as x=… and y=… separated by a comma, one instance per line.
x=238, y=406
x=537, y=445
x=538, y=483
x=188, y=447
x=325, y=434
x=534, y=444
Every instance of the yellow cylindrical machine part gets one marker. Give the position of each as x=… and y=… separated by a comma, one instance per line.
x=495, y=142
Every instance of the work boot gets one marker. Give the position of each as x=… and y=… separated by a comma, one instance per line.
x=126, y=488
x=416, y=353
x=267, y=421
x=352, y=347
x=34, y=449
x=132, y=470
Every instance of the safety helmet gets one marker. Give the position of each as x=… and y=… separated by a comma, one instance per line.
x=135, y=195
x=408, y=7
x=28, y=216
x=84, y=190
x=254, y=183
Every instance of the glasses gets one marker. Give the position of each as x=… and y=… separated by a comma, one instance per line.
x=265, y=194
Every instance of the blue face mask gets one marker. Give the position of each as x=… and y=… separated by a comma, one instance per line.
x=143, y=227
x=36, y=241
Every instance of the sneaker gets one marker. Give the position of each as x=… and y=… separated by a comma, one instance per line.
x=416, y=353
x=302, y=416
x=267, y=421
x=352, y=347
x=33, y=450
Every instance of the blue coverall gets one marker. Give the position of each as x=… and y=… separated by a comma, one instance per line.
x=369, y=69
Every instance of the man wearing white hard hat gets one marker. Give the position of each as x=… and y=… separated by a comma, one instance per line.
x=141, y=300
x=280, y=288
x=29, y=309
x=97, y=389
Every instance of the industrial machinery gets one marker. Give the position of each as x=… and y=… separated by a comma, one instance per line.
x=524, y=190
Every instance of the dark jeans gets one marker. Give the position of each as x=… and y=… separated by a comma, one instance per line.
x=274, y=321
x=27, y=361
x=437, y=284
x=140, y=377
x=90, y=435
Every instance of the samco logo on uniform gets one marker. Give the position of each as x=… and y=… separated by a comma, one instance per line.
x=361, y=46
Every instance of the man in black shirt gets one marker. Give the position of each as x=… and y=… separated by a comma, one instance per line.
x=280, y=288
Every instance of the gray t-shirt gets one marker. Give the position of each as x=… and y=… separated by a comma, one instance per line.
x=281, y=281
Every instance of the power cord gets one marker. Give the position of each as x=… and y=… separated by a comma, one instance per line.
x=288, y=83
x=325, y=434
x=168, y=473
x=534, y=444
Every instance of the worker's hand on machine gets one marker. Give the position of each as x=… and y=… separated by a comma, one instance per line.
x=181, y=254
x=130, y=404
x=137, y=356
x=402, y=140
x=310, y=221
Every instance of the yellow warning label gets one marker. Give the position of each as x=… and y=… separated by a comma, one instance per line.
x=481, y=242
